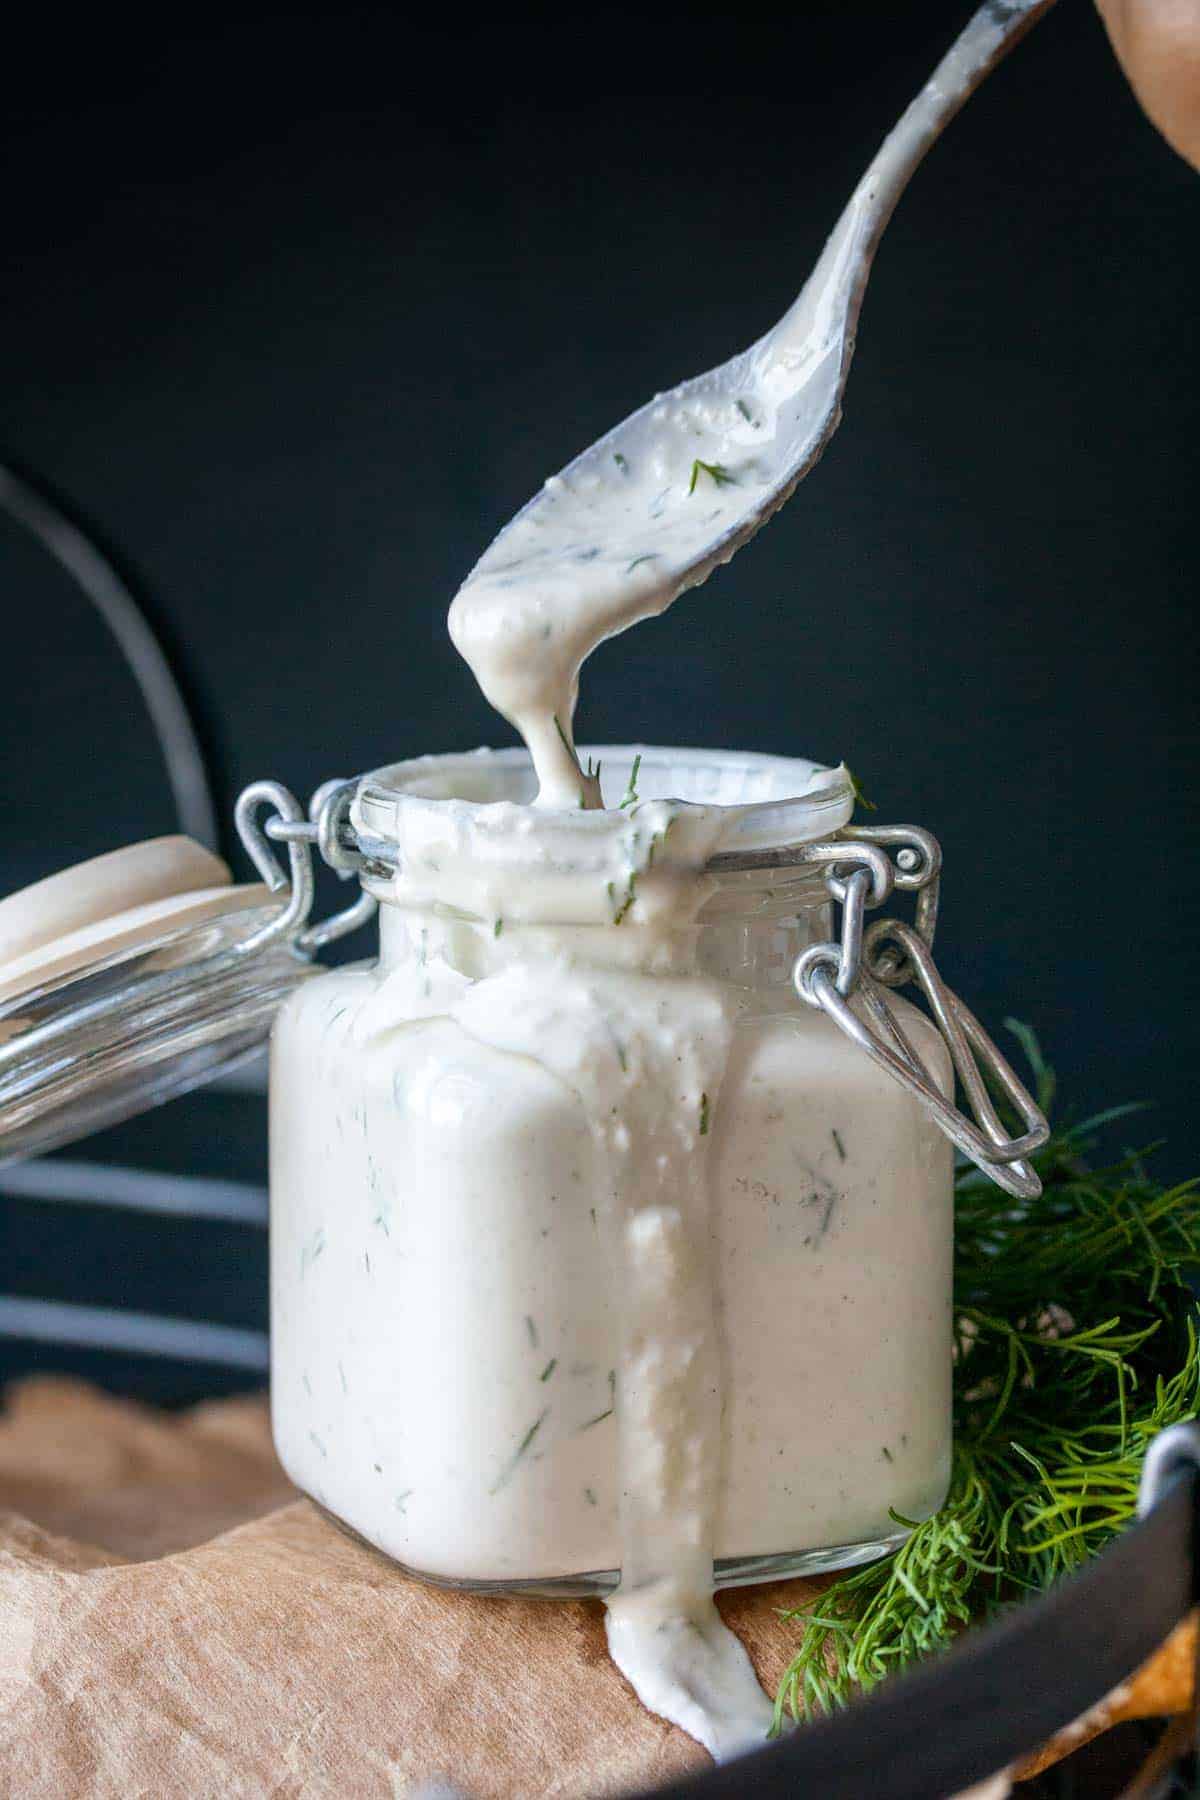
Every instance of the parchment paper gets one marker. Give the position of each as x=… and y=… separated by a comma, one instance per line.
x=173, y=1622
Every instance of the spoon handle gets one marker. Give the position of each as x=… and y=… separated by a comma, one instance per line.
x=983, y=43
x=820, y=326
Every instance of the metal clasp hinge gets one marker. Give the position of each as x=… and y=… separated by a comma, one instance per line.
x=322, y=828
x=847, y=981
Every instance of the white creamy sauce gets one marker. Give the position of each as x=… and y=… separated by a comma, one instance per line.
x=616, y=1062
x=646, y=1057
x=656, y=505
x=642, y=1044
x=636, y=519
x=614, y=539
x=592, y=1250
x=603, y=546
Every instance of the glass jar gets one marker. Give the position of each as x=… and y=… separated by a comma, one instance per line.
x=446, y=1312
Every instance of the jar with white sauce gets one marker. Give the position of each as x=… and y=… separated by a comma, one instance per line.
x=611, y=1204
x=585, y=1229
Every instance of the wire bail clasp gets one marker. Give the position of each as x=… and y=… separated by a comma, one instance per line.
x=889, y=954
x=324, y=828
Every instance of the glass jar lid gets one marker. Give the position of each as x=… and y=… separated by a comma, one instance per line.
x=129, y=979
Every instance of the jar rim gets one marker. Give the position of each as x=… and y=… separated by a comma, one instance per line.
x=760, y=801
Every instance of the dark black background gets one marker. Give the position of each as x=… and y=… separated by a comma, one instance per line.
x=299, y=306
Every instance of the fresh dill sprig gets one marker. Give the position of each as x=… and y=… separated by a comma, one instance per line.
x=1076, y=1340
x=631, y=793
x=717, y=473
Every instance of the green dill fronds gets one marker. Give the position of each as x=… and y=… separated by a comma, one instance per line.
x=631, y=793
x=1076, y=1341
x=717, y=473
x=704, y=1115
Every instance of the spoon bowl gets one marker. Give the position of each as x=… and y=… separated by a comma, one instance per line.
x=677, y=488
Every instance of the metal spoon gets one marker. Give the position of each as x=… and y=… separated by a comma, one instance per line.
x=656, y=504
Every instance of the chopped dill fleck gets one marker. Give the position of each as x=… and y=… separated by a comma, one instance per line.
x=717, y=473
x=320, y=1446
x=532, y=1332
x=627, y=902
x=402, y=1500
x=838, y=1146
x=590, y=774
x=342, y=1376
x=590, y=1496
x=745, y=411
x=510, y=1466
x=497, y=928
x=598, y=1420
x=631, y=792
x=704, y=1115
x=549, y=1369
x=650, y=556
x=886, y=1454
x=621, y=463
